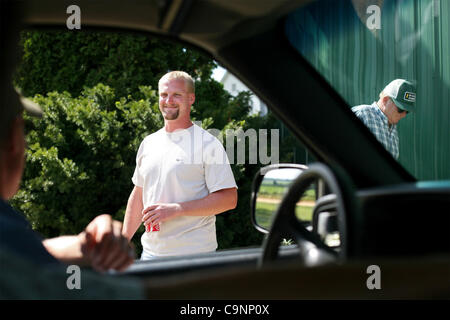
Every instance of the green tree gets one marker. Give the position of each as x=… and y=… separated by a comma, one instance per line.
x=69, y=61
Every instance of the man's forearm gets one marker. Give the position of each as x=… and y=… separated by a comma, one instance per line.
x=133, y=213
x=100, y=245
x=66, y=249
x=214, y=203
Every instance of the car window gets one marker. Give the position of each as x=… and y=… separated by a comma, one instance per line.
x=99, y=93
x=361, y=47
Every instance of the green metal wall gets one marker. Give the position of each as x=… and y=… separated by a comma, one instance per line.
x=413, y=43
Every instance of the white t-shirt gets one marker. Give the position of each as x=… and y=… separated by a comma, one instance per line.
x=181, y=166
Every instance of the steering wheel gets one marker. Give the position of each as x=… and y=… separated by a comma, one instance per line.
x=313, y=250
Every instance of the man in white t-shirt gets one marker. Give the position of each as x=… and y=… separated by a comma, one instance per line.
x=181, y=181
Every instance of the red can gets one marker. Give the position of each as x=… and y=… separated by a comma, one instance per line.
x=155, y=228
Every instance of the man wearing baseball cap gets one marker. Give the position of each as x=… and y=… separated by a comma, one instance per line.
x=396, y=101
x=31, y=267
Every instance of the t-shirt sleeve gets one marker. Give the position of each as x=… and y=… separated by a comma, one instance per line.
x=218, y=173
x=137, y=178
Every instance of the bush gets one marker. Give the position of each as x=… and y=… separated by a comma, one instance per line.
x=69, y=61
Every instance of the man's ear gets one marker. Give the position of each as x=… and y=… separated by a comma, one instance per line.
x=385, y=99
x=191, y=98
x=12, y=160
x=15, y=143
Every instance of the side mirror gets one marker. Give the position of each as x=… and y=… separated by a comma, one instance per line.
x=269, y=186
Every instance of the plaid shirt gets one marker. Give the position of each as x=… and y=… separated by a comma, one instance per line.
x=377, y=122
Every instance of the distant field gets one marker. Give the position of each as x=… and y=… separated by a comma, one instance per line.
x=267, y=210
x=278, y=190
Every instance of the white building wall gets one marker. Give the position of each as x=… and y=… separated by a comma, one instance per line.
x=233, y=85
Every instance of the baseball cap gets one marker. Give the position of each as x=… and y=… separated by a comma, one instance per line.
x=29, y=106
x=403, y=93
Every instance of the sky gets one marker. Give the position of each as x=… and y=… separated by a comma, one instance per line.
x=218, y=73
x=283, y=174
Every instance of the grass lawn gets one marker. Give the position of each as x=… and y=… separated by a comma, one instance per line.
x=277, y=191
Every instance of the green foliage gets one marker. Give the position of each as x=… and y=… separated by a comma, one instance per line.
x=215, y=103
x=81, y=157
x=69, y=61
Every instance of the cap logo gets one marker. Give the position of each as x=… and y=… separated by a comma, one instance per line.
x=410, y=96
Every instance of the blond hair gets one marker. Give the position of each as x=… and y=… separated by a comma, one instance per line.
x=181, y=75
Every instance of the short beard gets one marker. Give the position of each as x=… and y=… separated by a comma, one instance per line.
x=171, y=116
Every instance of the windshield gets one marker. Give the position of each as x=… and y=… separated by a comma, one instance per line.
x=389, y=60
